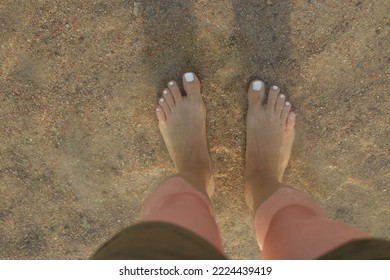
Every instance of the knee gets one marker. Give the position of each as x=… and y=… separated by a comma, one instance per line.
x=293, y=213
x=185, y=202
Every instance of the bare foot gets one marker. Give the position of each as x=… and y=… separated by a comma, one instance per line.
x=270, y=135
x=182, y=125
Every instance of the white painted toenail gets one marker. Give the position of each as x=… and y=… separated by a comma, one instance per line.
x=288, y=103
x=275, y=87
x=170, y=83
x=165, y=91
x=282, y=96
x=189, y=77
x=161, y=99
x=158, y=109
x=257, y=85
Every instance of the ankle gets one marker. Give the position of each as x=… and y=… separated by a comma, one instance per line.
x=259, y=179
x=199, y=179
x=257, y=191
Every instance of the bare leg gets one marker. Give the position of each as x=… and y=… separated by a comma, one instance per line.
x=183, y=199
x=288, y=224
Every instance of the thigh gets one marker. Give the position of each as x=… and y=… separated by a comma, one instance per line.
x=289, y=225
x=175, y=201
x=296, y=232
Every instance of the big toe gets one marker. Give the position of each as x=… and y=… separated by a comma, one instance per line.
x=256, y=93
x=192, y=86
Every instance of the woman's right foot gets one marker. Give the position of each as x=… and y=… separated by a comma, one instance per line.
x=182, y=122
x=270, y=135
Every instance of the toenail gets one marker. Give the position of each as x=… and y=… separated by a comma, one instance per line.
x=165, y=91
x=282, y=96
x=189, y=77
x=288, y=103
x=170, y=83
x=158, y=109
x=161, y=99
x=257, y=85
x=275, y=87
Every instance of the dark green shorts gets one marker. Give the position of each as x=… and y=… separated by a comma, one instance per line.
x=163, y=241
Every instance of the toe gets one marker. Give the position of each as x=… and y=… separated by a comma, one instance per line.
x=272, y=97
x=280, y=104
x=285, y=111
x=191, y=85
x=291, y=120
x=174, y=89
x=160, y=114
x=163, y=104
x=169, y=98
x=256, y=93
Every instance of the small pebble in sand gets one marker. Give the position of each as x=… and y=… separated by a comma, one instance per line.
x=136, y=8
